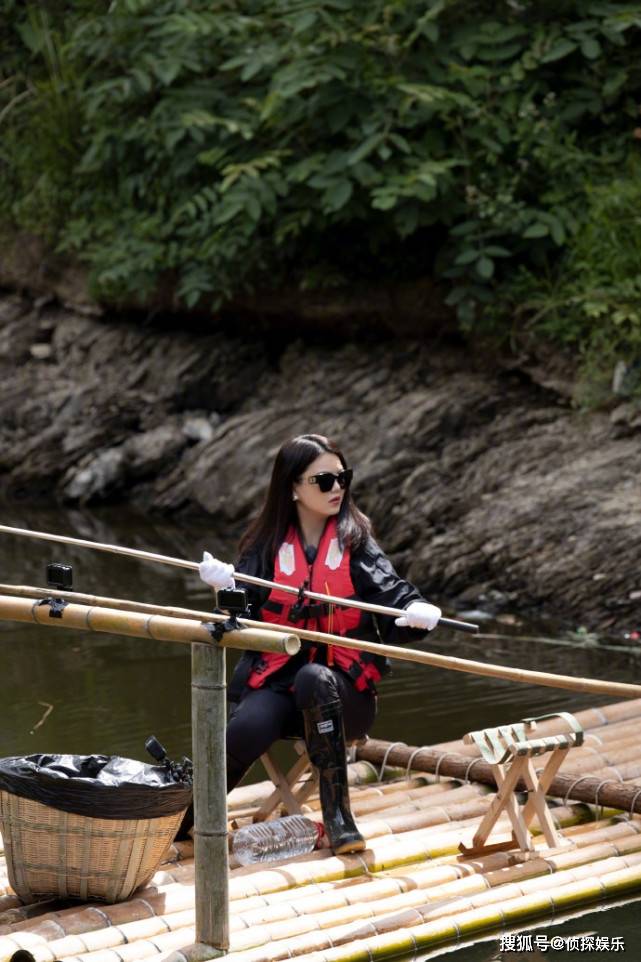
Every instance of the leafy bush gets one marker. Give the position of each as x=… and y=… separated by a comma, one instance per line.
x=41, y=117
x=594, y=303
x=216, y=147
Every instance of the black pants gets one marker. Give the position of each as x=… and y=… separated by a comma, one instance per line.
x=263, y=715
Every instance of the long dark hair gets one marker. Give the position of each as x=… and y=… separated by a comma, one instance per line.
x=267, y=531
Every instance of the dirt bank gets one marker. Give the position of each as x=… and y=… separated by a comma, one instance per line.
x=482, y=481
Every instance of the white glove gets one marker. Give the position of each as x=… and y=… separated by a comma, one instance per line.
x=419, y=614
x=216, y=573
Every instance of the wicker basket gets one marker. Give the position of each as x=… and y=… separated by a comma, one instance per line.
x=55, y=853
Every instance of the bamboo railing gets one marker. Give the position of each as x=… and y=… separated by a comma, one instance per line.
x=208, y=688
x=430, y=659
x=406, y=825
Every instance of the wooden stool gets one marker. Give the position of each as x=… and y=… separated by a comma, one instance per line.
x=292, y=788
x=510, y=753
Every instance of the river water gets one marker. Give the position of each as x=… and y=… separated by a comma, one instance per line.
x=70, y=691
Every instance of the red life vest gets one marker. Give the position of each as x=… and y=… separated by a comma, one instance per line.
x=329, y=574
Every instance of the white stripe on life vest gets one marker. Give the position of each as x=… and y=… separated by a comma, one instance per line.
x=286, y=558
x=334, y=555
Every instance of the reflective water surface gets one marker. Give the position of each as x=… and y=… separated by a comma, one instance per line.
x=72, y=691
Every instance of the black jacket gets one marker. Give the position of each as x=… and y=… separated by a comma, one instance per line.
x=374, y=580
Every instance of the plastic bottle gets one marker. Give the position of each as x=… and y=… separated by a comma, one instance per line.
x=272, y=841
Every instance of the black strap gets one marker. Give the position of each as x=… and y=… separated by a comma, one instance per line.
x=356, y=670
x=56, y=606
x=306, y=612
x=219, y=628
x=299, y=612
x=273, y=606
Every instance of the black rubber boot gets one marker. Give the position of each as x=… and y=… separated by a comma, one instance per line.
x=326, y=749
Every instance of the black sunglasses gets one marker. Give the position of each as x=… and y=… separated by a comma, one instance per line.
x=325, y=480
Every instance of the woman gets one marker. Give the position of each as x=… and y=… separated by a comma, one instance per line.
x=309, y=532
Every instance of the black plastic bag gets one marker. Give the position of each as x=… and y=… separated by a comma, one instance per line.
x=99, y=786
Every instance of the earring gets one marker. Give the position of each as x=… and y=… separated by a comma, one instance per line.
x=294, y=497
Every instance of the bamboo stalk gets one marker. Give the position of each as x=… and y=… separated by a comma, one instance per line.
x=476, y=899
x=584, y=789
x=251, y=796
x=208, y=675
x=605, y=722
x=240, y=576
x=298, y=931
x=612, y=733
x=210, y=799
x=521, y=675
x=383, y=853
x=62, y=929
x=408, y=822
x=383, y=939
x=156, y=627
x=410, y=801
x=43, y=950
x=279, y=942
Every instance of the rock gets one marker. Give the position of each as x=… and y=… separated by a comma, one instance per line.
x=484, y=489
x=148, y=453
x=200, y=429
x=508, y=619
x=41, y=352
x=97, y=478
x=116, y=468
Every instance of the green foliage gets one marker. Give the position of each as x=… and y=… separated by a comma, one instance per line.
x=39, y=119
x=213, y=147
x=594, y=303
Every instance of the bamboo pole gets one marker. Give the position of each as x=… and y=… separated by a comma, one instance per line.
x=280, y=931
x=605, y=722
x=58, y=934
x=433, y=884
x=208, y=712
x=473, y=911
x=156, y=627
x=302, y=934
x=45, y=949
x=343, y=926
x=240, y=576
x=252, y=796
x=431, y=659
x=596, y=791
x=208, y=732
x=615, y=839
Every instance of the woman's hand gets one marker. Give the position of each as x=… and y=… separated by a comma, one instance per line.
x=419, y=614
x=215, y=573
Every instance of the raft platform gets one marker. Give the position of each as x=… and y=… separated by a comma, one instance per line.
x=410, y=891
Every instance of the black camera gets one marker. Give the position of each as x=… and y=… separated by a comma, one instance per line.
x=233, y=600
x=155, y=749
x=60, y=577
x=182, y=771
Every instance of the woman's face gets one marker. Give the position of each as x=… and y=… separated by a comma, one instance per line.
x=309, y=497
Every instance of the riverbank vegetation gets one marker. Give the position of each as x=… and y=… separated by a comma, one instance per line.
x=214, y=148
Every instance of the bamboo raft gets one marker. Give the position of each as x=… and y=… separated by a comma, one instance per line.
x=409, y=891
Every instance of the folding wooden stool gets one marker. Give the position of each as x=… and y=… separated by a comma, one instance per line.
x=510, y=752
x=291, y=788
